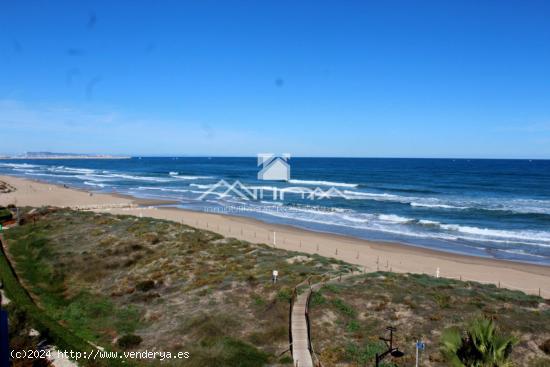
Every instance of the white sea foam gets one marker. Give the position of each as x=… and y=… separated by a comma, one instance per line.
x=70, y=169
x=522, y=252
x=48, y=175
x=18, y=165
x=164, y=189
x=138, y=178
x=174, y=174
x=519, y=206
x=394, y=218
x=534, y=236
x=443, y=206
x=372, y=196
x=182, y=177
x=322, y=183
x=94, y=184
x=199, y=186
x=426, y=222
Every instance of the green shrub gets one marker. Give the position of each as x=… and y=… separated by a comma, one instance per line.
x=480, y=345
x=145, y=285
x=284, y=294
x=344, y=308
x=5, y=215
x=129, y=341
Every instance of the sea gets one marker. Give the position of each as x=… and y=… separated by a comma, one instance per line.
x=480, y=207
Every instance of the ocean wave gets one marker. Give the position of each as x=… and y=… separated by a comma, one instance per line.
x=18, y=165
x=174, y=174
x=442, y=206
x=394, y=218
x=164, y=189
x=199, y=186
x=322, y=183
x=516, y=206
x=522, y=252
x=137, y=178
x=70, y=169
x=534, y=236
x=409, y=227
x=181, y=177
x=372, y=196
x=429, y=223
x=91, y=177
x=48, y=175
x=94, y=184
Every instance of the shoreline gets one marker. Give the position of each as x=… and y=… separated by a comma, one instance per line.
x=371, y=255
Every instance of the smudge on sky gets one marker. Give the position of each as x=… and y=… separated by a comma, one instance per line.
x=17, y=48
x=279, y=82
x=150, y=48
x=74, y=51
x=208, y=130
x=71, y=74
x=92, y=20
x=90, y=86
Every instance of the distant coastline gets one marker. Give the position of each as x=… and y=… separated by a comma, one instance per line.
x=49, y=155
x=67, y=157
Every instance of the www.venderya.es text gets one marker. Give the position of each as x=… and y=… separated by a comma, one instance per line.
x=98, y=354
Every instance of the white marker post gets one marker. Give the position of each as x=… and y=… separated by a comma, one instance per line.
x=420, y=345
x=274, y=238
x=437, y=273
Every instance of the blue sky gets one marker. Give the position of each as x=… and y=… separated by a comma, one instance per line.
x=313, y=78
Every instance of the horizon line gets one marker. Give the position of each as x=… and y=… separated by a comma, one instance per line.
x=126, y=156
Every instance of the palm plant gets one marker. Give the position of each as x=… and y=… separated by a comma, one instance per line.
x=480, y=345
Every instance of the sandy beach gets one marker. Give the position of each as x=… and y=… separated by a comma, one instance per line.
x=370, y=255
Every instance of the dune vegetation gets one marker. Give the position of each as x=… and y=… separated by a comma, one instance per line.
x=125, y=283
x=348, y=317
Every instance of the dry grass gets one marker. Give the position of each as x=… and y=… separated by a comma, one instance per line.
x=176, y=287
x=348, y=317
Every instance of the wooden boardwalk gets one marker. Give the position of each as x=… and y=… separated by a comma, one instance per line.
x=301, y=353
x=300, y=334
